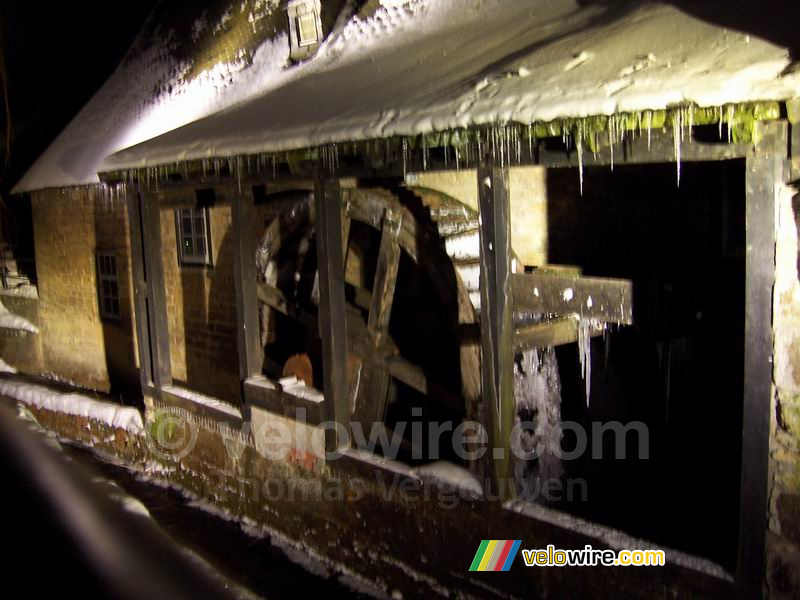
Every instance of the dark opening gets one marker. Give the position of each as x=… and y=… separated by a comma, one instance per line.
x=679, y=368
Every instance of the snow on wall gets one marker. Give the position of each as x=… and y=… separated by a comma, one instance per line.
x=114, y=415
x=9, y=320
x=425, y=66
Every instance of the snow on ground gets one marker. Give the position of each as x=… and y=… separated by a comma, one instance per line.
x=426, y=66
x=6, y=368
x=114, y=415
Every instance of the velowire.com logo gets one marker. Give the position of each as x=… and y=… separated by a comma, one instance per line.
x=495, y=555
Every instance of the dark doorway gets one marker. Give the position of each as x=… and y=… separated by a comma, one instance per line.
x=679, y=368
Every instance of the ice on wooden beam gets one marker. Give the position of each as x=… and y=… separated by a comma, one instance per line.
x=605, y=300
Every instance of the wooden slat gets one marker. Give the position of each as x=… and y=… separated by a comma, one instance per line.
x=272, y=297
x=251, y=354
x=139, y=288
x=608, y=300
x=496, y=321
x=374, y=387
x=385, y=278
x=556, y=332
x=156, y=292
x=332, y=309
x=764, y=173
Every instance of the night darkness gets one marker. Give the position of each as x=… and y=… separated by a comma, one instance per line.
x=57, y=55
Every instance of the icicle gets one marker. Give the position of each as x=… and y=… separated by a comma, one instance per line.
x=530, y=141
x=579, y=147
x=730, y=111
x=446, y=154
x=424, y=153
x=585, y=354
x=611, y=145
x=239, y=173
x=649, y=127
x=274, y=168
x=405, y=156
x=677, y=133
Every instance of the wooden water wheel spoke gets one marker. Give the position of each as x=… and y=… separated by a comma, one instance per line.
x=397, y=273
x=372, y=394
x=385, y=278
x=272, y=297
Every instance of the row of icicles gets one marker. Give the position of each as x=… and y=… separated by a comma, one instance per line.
x=506, y=144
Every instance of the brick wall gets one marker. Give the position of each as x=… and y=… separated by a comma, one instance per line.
x=77, y=345
x=201, y=306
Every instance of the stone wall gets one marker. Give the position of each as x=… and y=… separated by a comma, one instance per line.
x=70, y=226
x=783, y=539
x=201, y=306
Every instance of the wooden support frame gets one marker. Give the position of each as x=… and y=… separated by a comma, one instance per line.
x=332, y=306
x=497, y=363
x=244, y=263
x=139, y=288
x=604, y=299
x=156, y=293
x=765, y=171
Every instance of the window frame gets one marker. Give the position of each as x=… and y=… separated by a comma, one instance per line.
x=193, y=259
x=110, y=275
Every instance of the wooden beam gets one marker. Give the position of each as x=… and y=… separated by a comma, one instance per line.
x=156, y=292
x=765, y=171
x=373, y=388
x=251, y=355
x=793, y=112
x=332, y=309
x=496, y=322
x=604, y=299
x=139, y=288
x=272, y=297
x=556, y=332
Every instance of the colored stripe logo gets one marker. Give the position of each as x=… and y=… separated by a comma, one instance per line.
x=495, y=555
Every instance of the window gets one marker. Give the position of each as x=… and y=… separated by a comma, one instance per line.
x=193, y=236
x=108, y=285
x=307, y=29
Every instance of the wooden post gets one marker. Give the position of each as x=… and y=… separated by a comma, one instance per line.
x=332, y=307
x=244, y=263
x=497, y=331
x=139, y=288
x=765, y=171
x=156, y=293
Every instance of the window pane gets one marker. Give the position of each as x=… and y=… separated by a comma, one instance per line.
x=307, y=29
x=113, y=291
x=188, y=247
x=201, y=247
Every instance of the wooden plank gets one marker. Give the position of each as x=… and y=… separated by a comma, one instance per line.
x=251, y=355
x=332, y=309
x=764, y=172
x=385, y=278
x=608, y=300
x=374, y=387
x=556, y=332
x=496, y=322
x=156, y=292
x=793, y=112
x=272, y=297
x=139, y=288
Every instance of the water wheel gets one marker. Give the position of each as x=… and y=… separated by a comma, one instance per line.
x=411, y=284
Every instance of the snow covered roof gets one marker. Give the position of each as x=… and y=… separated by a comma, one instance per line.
x=417, y=66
